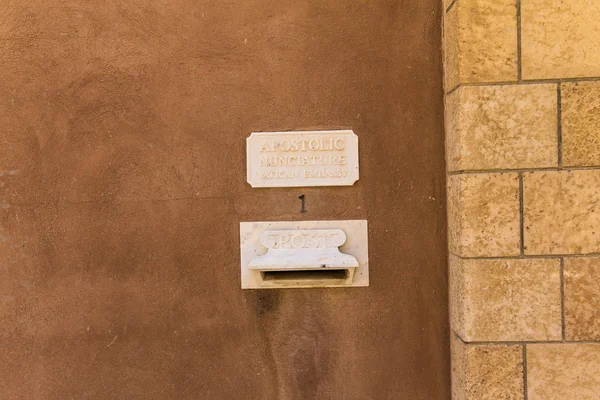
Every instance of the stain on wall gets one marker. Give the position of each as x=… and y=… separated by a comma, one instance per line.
x=122, y=184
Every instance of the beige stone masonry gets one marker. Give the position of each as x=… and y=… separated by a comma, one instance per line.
x=484, y=41
x=500, y=127
x=483, y=215
x=505, y=299
x=559, y=38
x=581, y=123
x=563, y=371
x=582, y=298
x=481, y=372
x=562, y=212
x=522, y=82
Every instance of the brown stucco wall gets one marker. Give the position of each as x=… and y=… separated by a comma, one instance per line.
x=523, y=151
x=122, y=173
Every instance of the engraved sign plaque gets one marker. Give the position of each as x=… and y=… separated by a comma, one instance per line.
x=302, y=158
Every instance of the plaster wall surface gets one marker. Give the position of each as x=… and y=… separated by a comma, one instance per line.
x=123, y=183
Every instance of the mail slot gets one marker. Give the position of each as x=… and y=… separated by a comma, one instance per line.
x=304, y=254
x=309, y=275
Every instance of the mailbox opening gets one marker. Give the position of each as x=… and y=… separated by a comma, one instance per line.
x=305, y=275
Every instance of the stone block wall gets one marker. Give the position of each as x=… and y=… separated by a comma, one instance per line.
x=522, y=81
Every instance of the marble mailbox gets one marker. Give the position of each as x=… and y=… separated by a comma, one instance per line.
x=302, y=158
x=301, y=254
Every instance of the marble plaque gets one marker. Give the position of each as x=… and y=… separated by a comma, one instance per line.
x=302, y=158
x=302, y=254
